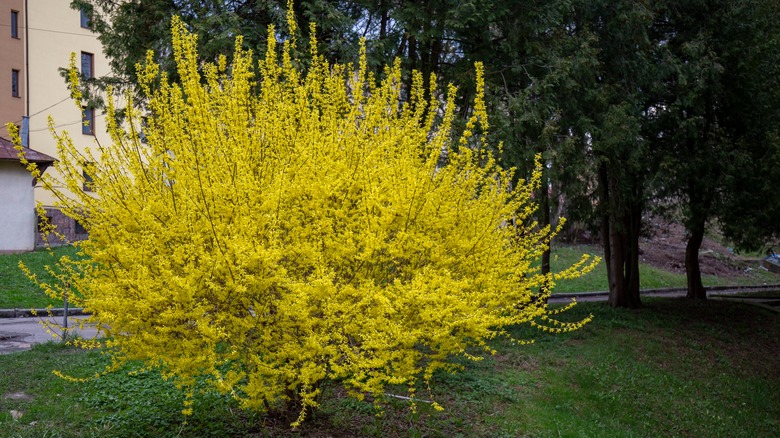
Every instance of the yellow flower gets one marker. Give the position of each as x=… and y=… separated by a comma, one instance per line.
x=279, y=228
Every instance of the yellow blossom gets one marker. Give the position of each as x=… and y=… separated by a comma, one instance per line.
x=278, y=228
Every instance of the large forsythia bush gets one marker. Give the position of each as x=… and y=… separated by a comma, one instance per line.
x=276, y=229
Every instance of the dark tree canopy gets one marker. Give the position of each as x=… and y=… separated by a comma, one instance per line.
x=717, y=142
x=631, y=104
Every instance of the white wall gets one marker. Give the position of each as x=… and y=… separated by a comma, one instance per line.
x=17, y=208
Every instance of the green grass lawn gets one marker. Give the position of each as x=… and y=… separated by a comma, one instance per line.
x=16, y=290
x=673, y=368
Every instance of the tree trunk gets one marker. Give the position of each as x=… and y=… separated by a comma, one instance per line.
x=620, y=234
x=383, y=21
x=605, y=241
x=544, y=206
x=616, y=261
x=632, y=259
x=699, y=203
x=692, y=267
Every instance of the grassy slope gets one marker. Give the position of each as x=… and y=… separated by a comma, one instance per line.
x=650, y=277
x=675, y=368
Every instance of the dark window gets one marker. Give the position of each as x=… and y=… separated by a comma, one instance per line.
x=15, y=83
x=14, y=24
x=87, y=65
x=88, y=181
x=85, y=22
x=43, y=223
x=78, y=228
x=142, y=134
x=88, y=121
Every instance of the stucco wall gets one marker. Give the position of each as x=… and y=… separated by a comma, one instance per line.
x=17, y=208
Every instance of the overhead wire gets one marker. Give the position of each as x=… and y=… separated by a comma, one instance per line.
x=47, y=108
x=91, y=35
x=66, y=124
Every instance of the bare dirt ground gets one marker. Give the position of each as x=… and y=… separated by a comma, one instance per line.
x=664, y=248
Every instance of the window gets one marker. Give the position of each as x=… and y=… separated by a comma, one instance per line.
x=88, y=181
x=15, y=83
x=88, y=121
x=44, y=223
x=142, y=132
x=14, y=24
x=78, y=228
x=87, y=65
x=85, y=21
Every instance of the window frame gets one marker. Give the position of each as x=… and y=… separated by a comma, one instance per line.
x=15, y=88
x=43, y=223
x=88, y=121
x=87, y=186
x=86, y=22
x=91, y=64
x=78, y=228
x=14, y=24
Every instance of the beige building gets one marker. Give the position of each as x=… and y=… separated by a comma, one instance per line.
x=39, y=37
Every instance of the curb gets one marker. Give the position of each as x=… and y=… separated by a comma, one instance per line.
x=29, y=313
x=757, y=301
x=669, y=290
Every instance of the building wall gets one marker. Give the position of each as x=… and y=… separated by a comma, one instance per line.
x=48, y=32
x=67, y=228
x=12, y=56
x=18, y=220
x=54, y=33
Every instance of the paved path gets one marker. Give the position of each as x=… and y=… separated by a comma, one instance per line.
x=713, y=292
x=21, y=333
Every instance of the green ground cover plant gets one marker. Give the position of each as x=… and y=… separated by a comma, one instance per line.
x=673, y=368
x=16, y=290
